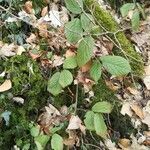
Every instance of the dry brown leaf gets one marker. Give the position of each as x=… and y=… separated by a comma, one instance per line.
x=28, y=7
x=43, y=29
x=87, y=66
x=126, y=109
x=75, y=123
x=133, y=90
x=125, y=142
x=64, y=15
x=50, y=117
x=44, y=11
x=6, y=86
x=31, y=39
x=146, y=119
x=138, y=110
x=69, y=53
x=34, y=56
x=8, y=50
x=71, y=140
x=57, y=60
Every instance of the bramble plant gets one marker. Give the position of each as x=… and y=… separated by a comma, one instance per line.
x=79, y=32
x=39, y=81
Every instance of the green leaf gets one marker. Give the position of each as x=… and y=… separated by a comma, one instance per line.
x=95, y=71
x=26, y=147
x=75, y=6
x=89, y=120
x=41, y=141
x=35, y=131
x=73, y=31
x=57, y=142
x=87, y=21
x=102, y=107
x=85, y=50
x=66, y=78
x=126, y=8
x=70, y=62
x=100, y=126
x=116, y=65
x=53, y=84
x=135, y=20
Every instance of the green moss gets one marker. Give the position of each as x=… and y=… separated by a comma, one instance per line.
x=107, y=21
x=28, y=83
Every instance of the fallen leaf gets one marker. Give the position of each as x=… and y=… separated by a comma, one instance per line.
x=137, y=109
x=126, y=109
x=133, y=90
x=43, y=29
x=69, y=53
x=44, y=11
x=31, y=39
x=28, y=7
x=125, y=142
x=20, y=50
x=72, y=139
x=57, y=60
x=54, y=18
x=86, y=67
x=146, y=119
x=5, y=86
x=64, y=15
x=8, y=50
x=76, y=123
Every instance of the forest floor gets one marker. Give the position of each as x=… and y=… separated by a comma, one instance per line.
x=58, y=90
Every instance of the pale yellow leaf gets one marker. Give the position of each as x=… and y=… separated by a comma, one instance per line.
x=5, y=86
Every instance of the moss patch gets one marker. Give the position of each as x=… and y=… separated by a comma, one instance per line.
x=29, y=84
x=107, y=21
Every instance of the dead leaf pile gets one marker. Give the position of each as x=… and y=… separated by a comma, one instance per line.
x=8, y=50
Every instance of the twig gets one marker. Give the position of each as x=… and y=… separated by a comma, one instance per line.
x=76, y=99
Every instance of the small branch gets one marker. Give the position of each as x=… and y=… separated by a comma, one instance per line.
x=76, y=99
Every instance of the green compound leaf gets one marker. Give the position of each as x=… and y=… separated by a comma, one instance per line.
x=116, y=65
x=57, y=142
x=66, y=78
x=126, y=8
x=102, y=107
x=53, y=84
x=85, y=50
x=75, y=6
x=73, y=31
x=89, y=120
x=100, y=126
x=87, y=21
x=135, y=20
x=70, y=62
x=95, y=71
